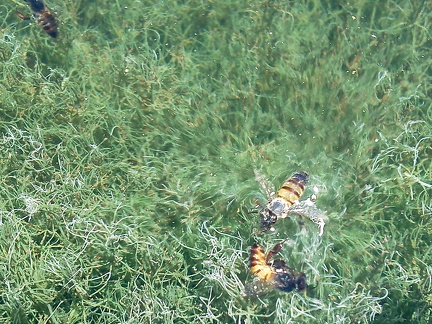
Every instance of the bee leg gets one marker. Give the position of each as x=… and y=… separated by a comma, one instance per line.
x=276, y=249
x=22, y=16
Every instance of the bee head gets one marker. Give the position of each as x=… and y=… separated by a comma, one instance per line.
x=285, y=281
x=268, y=217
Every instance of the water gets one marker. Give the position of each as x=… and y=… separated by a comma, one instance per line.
x=131, y=144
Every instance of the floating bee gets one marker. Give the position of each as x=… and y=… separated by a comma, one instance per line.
x=272, y=274
x=288, y=201
x=43, y=17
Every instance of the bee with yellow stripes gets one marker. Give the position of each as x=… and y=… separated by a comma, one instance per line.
x=287, y=201
x=43, y=17
x=272, y=274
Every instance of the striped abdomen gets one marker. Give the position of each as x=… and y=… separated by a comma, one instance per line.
x=258, y=263
x=293, y=188
x=48, y=22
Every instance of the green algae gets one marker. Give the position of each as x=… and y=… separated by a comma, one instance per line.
x=130, y=145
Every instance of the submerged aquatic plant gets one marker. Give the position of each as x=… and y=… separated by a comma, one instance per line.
x=129, y=146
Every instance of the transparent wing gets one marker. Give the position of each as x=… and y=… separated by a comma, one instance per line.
x=258, y=287
x=307, y=208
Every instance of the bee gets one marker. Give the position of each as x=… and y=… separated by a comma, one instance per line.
x=274, y=273
x=44, y=17
x=288, y=202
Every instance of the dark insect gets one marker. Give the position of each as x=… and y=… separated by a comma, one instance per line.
x=287, y=202
x=43, y=17
x=289, y=193
x=272, y=273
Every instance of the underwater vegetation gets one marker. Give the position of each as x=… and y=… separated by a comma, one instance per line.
x=131, y=143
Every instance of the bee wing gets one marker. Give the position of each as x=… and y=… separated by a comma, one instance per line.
x=307, y=208
x=258, y=287
x=264, y=183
